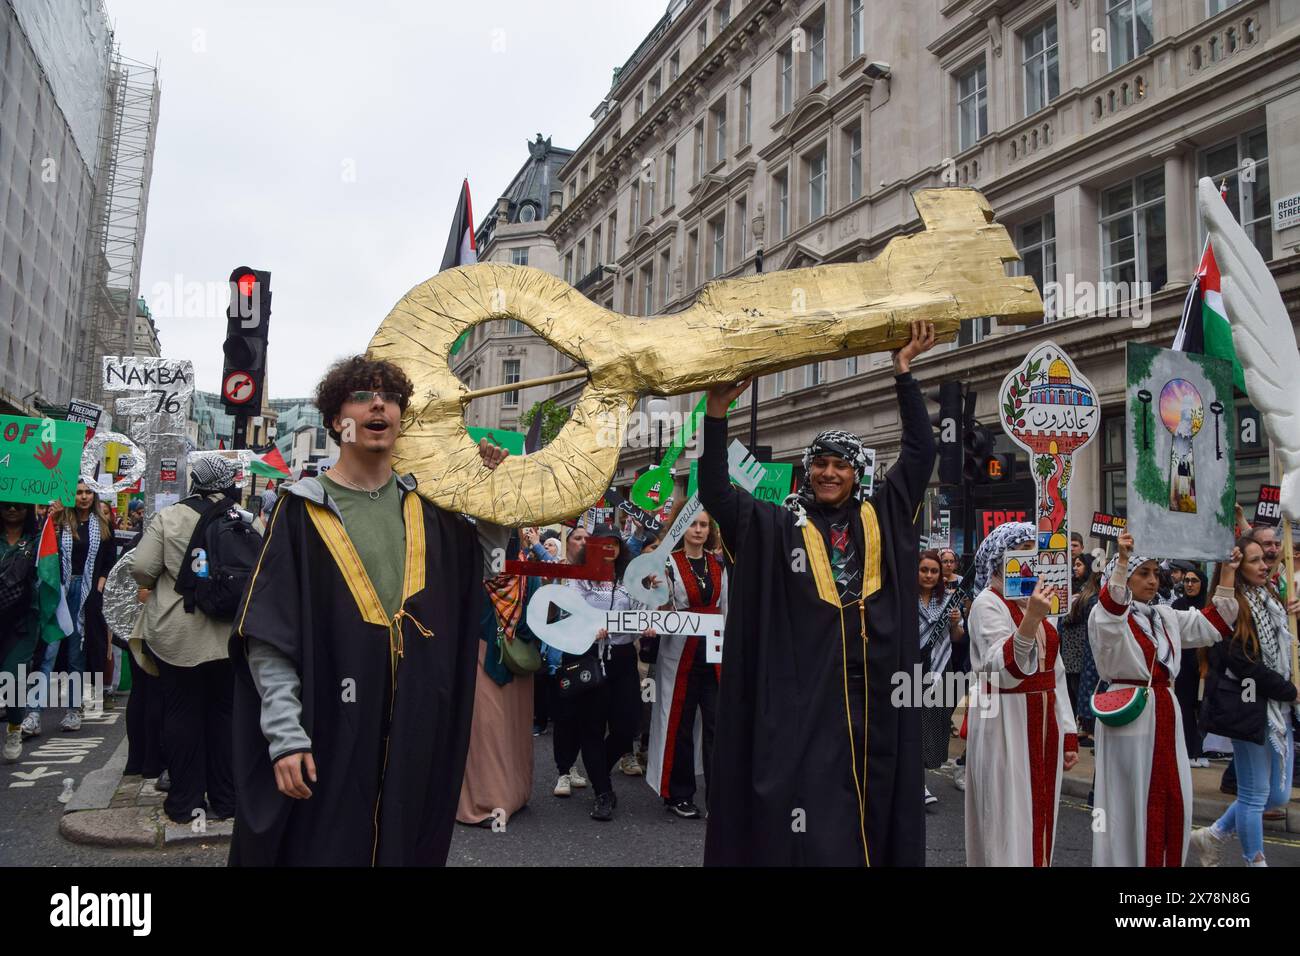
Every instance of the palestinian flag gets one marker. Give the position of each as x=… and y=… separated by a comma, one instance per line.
x=55, y=621
x=270, y=465
x=1205, y=328
x=461, y=250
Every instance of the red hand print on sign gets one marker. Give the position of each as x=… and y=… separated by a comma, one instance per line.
x=48, y=456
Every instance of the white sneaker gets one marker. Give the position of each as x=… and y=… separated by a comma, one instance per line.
x=577, y=779
x=31, y=725
x=929, y=797
x=71, y=720
x=1207, y=845
x=563, y=786
x=1199, y=762
x=13, y=746
x=959, y=777
x=629, y=766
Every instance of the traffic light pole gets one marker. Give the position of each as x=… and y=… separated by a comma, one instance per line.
x=240, y=437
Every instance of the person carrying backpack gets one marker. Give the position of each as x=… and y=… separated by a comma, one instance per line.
x=195, y=557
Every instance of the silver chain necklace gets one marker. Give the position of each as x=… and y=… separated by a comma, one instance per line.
x=373, y=493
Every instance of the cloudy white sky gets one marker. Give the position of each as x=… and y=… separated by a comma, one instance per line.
x=271, y=108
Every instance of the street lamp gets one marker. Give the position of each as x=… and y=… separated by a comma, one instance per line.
x=757, y=225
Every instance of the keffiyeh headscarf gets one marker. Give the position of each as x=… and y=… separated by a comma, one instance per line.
x=1135, y=561
x=988, y=559
x=1144, y=613
x=1269, y=618
x=212, y=473
x=841, y=444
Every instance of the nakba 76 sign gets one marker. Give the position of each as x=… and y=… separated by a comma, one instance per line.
x=40, y=459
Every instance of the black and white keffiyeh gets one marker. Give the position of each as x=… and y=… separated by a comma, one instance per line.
x=87, y=571
x=1269, y=619
x=988, y=559
x=1135, y=561
x=841, y=444
x=212, y=473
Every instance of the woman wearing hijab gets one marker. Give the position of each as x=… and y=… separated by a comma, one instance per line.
x=943, y=637
x=1143, y=788
x=1258, y=650
x=1187, y=686
x=1021, y=733
x=85, y=556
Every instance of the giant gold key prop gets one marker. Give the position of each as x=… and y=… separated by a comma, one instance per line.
x=952, y=271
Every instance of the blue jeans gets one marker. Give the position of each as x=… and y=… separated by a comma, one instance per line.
x=76, y=653
x=1263, y=782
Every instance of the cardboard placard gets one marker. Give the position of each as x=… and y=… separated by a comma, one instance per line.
x=88, y=413
x=1108, y=527
x=167, y=469
x=1019, y=574
x=39, y=459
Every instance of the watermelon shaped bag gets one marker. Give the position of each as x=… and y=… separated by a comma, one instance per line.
x=1115, y=708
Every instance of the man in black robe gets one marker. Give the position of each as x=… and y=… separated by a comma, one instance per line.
x=355, y=651
x=812, y=765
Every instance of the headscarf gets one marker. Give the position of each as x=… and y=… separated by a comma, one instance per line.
x=1135, y=561
x=212, y=473
x=988, y=559
x=1144, y=613
x=841, y=444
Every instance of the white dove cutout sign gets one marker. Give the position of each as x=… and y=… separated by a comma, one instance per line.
x=576, y=632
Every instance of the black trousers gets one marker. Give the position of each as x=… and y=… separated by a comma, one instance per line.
x=564, y=728
x=1186, y=686
x=701, y=692
x=144, y=722
x=197, y=707
x=624, y=683
x=585, y=714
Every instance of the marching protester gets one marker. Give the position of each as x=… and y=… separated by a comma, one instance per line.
x=942, y=632
x=1074, y=627
x=565, y=742
x=499, y=765
x=1021, y=733
x=821, y=616
x=1258, y=651
x=355, y=649
x=188, y=644
x=686, y=683
x=85, y=556
x=18, y=610
x=603, y=708
x=1144, y=784
x=1187, y=686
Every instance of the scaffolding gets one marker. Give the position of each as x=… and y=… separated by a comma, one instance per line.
x=111, y=277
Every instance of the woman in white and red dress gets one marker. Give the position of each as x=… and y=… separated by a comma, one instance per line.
x=1144, y=782
x=1021, y=734
x=686, y=681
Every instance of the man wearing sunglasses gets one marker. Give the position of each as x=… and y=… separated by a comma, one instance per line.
x=355, y=651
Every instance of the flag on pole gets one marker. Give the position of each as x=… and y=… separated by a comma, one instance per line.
x=461, y=249
x=1205, y=328
x=270, y=465
x=55, y=620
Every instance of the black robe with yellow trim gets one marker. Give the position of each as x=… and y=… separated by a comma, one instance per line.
x=387, y=704
x=789, y=784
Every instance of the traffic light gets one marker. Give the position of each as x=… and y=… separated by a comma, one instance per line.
x=1000, y=468
x=244, y=371
x=979, y=450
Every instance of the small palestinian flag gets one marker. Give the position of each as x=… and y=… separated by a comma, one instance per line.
x=55, y=620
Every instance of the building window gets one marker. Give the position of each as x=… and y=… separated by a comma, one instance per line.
x=850, y=366
x=611, y=235
x=638, y=105
x=510, y=375
x=674, y=65
x=1042, y=71
x=855, y=163
x=723, y=11
x=670, y=176
x=652, y=87
x=785, y=84
x=816, y=165
x=1243, y=162
x=527, y=213
x=648, y=190
x=665, y=279
x=580, y=268
x=781, y=184
x=972, y=106
x=814, y=374
x=702, y=36
x=742, y=227
x=699, y=150
x=647, y=290
x=857, y=29
x=1133, y=234
x=1114, y=486
x=693, y=258
x=595, y=246
x=778, y=383
x=515, y=327
x=1036, y=243
x=568, y=267
x=519, y=257
x=746, y=111
x=634, y=217
x=1213, y=7
x=718, y=244
x=816, y=33
x=1131, y=29
x=719, y=114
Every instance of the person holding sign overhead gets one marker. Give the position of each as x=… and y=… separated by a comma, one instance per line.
x=1144, y=783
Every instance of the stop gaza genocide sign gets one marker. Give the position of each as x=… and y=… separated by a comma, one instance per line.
x=40, y=459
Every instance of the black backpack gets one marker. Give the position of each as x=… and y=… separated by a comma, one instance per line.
x=220, y=558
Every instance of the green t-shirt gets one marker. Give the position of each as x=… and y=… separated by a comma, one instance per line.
x=377, y=532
